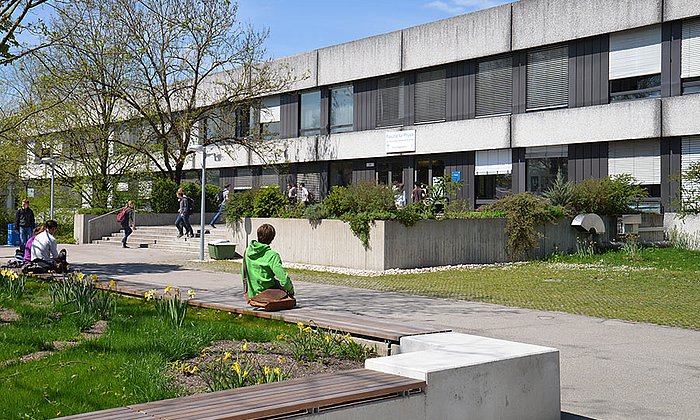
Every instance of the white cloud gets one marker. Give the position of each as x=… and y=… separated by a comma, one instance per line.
x=457, y=7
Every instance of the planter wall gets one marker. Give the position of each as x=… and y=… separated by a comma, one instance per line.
x=428, y=243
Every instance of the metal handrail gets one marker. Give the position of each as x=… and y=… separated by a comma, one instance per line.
x=100, y=217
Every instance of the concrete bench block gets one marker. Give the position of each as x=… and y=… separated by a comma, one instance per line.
x=479, y=378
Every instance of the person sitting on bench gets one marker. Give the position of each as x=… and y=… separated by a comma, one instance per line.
x=263, y=266
x=44, y=249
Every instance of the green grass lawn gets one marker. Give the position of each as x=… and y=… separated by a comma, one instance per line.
x=126, y=365
x=661, y=287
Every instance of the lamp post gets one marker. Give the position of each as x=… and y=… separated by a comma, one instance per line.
x=200, y=148
x=50, y=161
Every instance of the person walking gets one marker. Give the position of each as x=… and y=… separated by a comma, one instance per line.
x=291, y=194
x=303, y=194
x=418, y=193
x=24, y=223
x=183, y=215
x=221, y=199
x=128, y=221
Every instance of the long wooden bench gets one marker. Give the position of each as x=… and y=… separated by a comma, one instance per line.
x=297, y=396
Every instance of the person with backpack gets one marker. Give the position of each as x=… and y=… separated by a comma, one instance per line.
x=220, y=198
x=127, y=219
x=183, y=215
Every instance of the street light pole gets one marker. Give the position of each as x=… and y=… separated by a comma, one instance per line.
x=199, y=148
x=50, y=161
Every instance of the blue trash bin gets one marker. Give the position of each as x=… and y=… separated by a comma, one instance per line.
x=12, y=236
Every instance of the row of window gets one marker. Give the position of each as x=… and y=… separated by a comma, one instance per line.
x=633, y=72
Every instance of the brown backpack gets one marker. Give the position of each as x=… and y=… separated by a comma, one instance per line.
x=268, y=300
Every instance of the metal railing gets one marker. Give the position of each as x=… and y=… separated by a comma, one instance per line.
x=100, y=217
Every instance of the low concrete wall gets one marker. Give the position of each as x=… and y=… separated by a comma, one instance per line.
x=476, y=377
x=685, y=230
x=90, y=227
x=428, y=243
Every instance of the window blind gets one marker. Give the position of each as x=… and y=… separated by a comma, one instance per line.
x=430, y=96
x=493, y=162
x=639, y=158
x=635, y=53
x=269, y=177
x=690, y=49
x=547, y=77
x=270, y=109
x=690, y=154
x=494, y=86
x=244, y=179
x=542, y=152
x=390, y=94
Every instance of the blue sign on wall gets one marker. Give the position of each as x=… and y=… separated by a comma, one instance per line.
x=456, y=176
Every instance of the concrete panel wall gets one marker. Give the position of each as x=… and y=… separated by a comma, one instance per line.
x=681, y=116
x=686, y=230
x=300, y=70
x=478, y=34
x=627, y=120
x=678, y=9
x=369, y=57
x=542, y=22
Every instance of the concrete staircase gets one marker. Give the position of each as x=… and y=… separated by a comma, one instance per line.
x=165, y=237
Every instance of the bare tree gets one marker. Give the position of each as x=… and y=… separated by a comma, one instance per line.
x=190, y=63
x=13, y=16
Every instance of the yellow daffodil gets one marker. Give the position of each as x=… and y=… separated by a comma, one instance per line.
x=277, y=371
x=112, y=283
x=280, y=359
x=245, y=346
x=245, y=374
x=327, y=338
x=236, y=367
x=217, y=360
x=307, y=329
x=191, y=294
x=227, y=355
x=151, y=294
x=281, y=337
x=93, y=277
x=266, y=370
x=81, y=276
x=300, y=325
x=177, y=292
x=168, y=289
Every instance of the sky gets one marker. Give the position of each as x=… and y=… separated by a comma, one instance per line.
x=297, y=26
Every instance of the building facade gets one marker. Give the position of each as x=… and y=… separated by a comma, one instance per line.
x=502, y=99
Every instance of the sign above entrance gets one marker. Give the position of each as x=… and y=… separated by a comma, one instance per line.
x=400, y=141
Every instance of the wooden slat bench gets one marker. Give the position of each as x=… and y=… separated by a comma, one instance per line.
x=297, y=396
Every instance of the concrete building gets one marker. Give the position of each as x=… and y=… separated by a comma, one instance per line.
x=502, y=99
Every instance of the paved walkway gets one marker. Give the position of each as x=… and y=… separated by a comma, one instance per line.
x=609, y=369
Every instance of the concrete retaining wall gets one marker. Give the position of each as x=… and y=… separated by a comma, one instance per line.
x=686, y=230
x=428, y=243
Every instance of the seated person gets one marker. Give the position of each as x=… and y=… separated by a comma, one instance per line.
x=263, y=266
x=28, y=247
x=44, y=251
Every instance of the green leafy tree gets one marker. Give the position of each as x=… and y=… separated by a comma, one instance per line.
x=269, y=202
x=608, y=195
x=163, y=196
x=561, y=193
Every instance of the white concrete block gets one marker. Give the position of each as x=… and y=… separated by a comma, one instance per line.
x=405, y=408
x=478, y=377
x=679, y=9
x=300, y=71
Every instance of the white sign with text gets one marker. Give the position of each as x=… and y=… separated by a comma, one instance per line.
x=400, y=141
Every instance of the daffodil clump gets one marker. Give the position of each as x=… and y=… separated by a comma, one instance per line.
x=11, y=284
x=170, y=306
x=310, y=342
x=81, y=293
x=239, y=370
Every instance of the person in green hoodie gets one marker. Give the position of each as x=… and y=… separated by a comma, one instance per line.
x=264, y=266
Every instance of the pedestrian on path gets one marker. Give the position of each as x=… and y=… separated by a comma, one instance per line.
x=128, y=221
x=24, y=223
x=221, y=199
x=183, y=215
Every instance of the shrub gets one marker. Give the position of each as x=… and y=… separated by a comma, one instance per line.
x=163, y=196
x=210, y=197
x=269, y=202
x=609, y=195
x=369, y=197
x=338, y=202
x=524, y=212
x=688, y=201
x=316, y=212
x=238, y=206
x=561, y=193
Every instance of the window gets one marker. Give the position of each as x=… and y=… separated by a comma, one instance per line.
x=690, y=148
x=547, y=78
x=635, y=64
x=639, y=158
x=492, y=172
x=270, y=117
x=430, y=96
x=341, y=109
x=340, y=174
x=492, y=187
x=428, y=170
x=244, y=179
x=310, y=113
x=543, y=164
x=389, y=172
x=494, y=86
x=690, y=56
x=391, y=102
